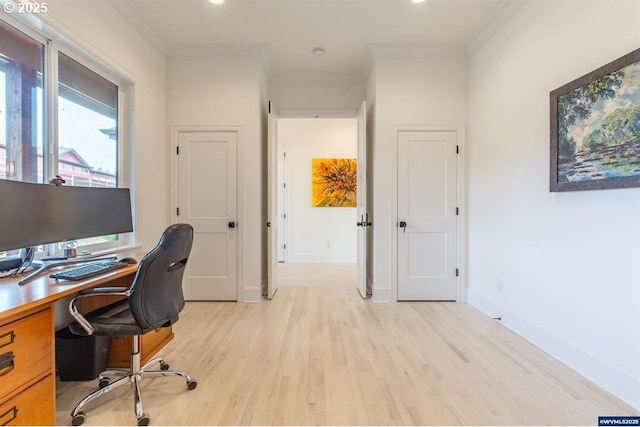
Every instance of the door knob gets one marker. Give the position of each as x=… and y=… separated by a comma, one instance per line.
x=232, y=224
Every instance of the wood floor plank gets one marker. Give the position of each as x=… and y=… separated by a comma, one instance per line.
x=318, y=354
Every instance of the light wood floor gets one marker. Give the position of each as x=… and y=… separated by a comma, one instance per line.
x=318, y=354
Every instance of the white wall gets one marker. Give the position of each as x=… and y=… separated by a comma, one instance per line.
x=408, y=91
x=317, y=234
x=210, y=91
x=99, y=30
x=295, y=97
x=569, y=262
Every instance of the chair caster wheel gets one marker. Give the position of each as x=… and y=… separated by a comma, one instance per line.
x=103, y=383
x=143, y=420
x=78, y=419
x=164, y=366
x=192, y=384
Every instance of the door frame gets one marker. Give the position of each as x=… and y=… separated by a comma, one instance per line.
x=175, y=132
x=461, y=225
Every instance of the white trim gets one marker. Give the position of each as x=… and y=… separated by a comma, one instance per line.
x=620, y=383
x=241, y=51
x=315, y=77
x=391, y=50
x=393, y=205
x=321, y=258
x=376, y=51
x=242, y=294
x=251, y=295
x=92, y=57
x=498, y=18
x=318, y=113
x=128, y=10
x=383, y=295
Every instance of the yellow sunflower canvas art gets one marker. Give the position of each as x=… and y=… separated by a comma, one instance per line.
x=334, y=182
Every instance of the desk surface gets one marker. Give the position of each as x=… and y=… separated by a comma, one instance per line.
x=43, y=290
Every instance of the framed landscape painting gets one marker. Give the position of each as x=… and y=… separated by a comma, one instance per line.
x=334, y=183
x=595, y=129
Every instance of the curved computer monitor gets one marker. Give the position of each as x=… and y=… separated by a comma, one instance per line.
x=37, y=214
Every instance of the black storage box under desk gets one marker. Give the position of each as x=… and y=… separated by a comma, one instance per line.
x=80, y=358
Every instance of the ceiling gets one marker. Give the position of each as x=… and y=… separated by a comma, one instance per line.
x=289, y=30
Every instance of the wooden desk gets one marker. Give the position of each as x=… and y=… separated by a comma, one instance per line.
x=27, y=332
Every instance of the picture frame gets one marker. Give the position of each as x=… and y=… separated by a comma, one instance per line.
x=595, y=129
x=334, y=182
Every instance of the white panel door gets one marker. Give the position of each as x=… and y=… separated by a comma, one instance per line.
x=207, y=199
x=427, y=221
x=272, y=202
x=363, y=217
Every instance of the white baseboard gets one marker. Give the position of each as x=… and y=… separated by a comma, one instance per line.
x=610, y=378
x=382, y=295
x=252, y=295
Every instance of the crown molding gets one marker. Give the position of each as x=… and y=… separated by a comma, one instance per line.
x=341, y=77
x=129, y=12
x=374, y=52
x=219, y=51
x=225, y=51
x=502, y=13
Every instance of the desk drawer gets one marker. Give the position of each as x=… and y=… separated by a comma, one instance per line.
x=34, y=406
x=26, y=350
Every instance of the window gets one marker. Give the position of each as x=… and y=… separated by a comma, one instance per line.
x=87, y=130
x=82, y=143
x=87, y=125
x=21, y=108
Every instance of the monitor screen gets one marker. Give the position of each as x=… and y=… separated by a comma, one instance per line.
x=36, y=214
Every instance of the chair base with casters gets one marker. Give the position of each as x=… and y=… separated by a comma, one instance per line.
x=133, y=377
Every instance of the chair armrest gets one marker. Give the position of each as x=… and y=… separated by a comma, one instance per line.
x=73, y=309
x=105, y=291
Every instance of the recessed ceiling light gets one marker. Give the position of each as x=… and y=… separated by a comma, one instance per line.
x=217, y=1
x=417, y=1
x=319, y=51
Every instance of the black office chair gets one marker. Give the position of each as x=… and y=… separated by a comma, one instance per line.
x=153, y=301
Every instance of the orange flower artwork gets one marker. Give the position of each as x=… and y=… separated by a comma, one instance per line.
x=333, y=182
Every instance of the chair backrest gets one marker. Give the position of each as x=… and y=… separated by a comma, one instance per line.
x=157, y=297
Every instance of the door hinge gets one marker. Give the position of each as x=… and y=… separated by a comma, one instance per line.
x=284, y=154
x=284, y=185
x=269, y=107
x=284, y=246
x=457, y=211
x=284, y=216
x=457, y=272
x=177, y=150
x=178, y=211
x=457, y=149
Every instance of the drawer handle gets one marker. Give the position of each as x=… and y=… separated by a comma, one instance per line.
x=9, y=412
x=6, y=361
x=12, y=337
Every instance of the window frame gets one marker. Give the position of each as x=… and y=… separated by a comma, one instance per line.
x=55, y=43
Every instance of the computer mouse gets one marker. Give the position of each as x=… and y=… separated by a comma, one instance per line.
x=129, y=260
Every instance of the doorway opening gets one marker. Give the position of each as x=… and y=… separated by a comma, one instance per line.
x=317, y=238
